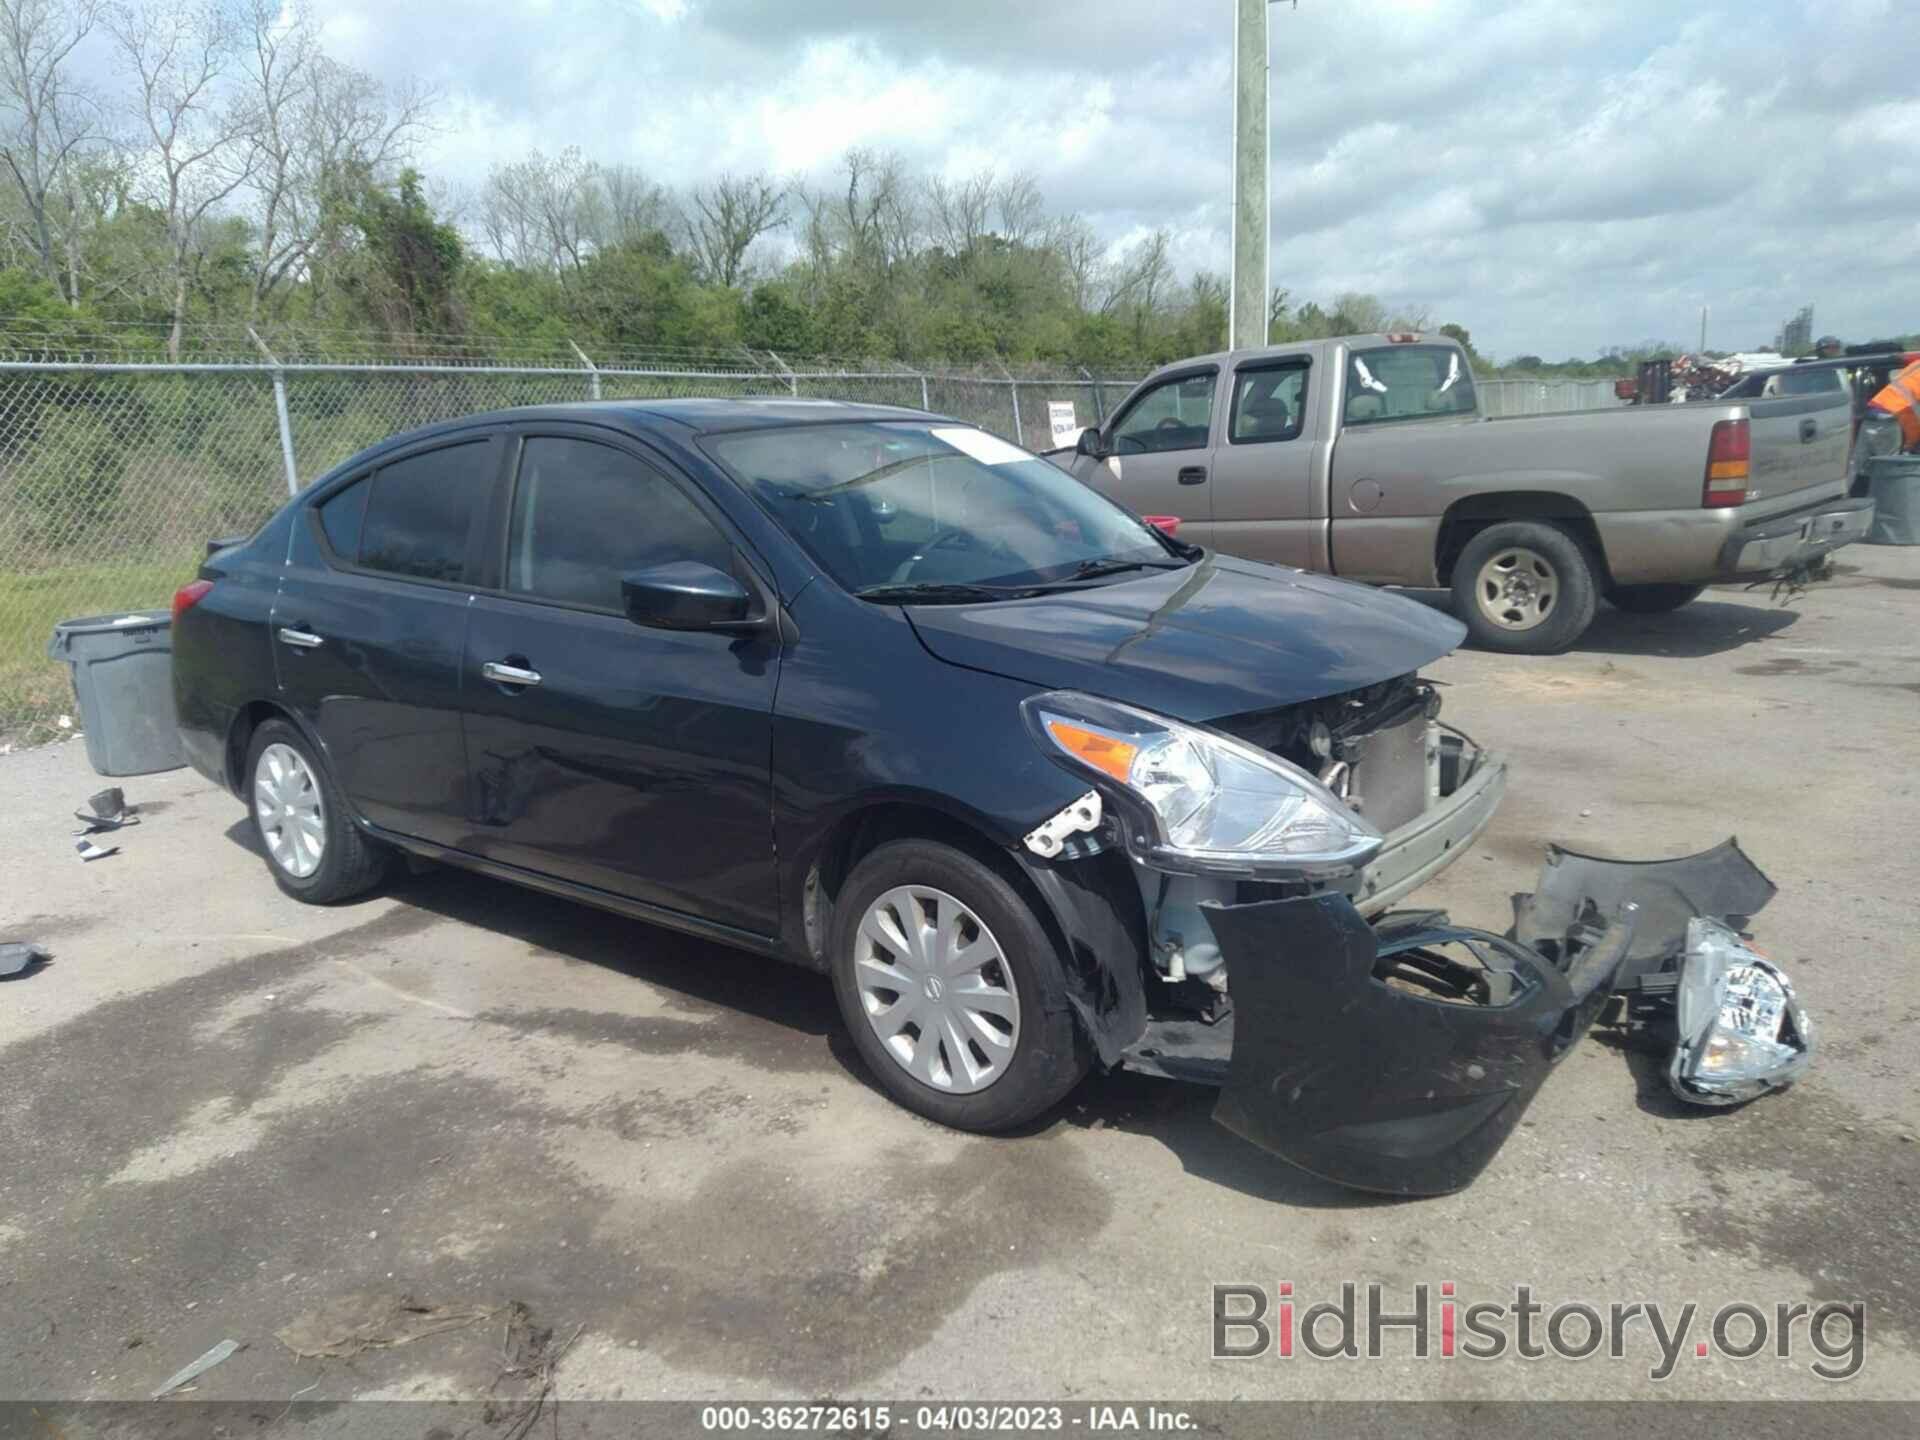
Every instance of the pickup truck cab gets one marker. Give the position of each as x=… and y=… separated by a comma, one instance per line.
x=1368, y=457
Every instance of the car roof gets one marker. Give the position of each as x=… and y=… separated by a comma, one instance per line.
x=697, y=415
x=1225, y=358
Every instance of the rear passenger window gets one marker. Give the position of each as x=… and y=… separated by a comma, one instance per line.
x=584, y=515
x=341, y=517
x=421, y=510
x=1268, y=405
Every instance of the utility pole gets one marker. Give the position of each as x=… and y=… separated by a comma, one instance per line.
x=1249, y=284
x=1703, y=329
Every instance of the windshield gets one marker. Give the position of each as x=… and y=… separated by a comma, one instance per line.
x=892, y=507
x=1407, y=382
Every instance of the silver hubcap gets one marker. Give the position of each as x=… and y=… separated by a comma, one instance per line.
x=936, y=989
x=286, y=800
x=1517, y=588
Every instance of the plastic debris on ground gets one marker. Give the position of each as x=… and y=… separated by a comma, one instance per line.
x=21, y=957
x=90, y=851
x=225, y=1350
x=108, y=810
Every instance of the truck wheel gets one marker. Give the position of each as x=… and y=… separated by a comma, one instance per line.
x=1653, y=599
x=1524, y=587
x=953, y=992
x=313, y=848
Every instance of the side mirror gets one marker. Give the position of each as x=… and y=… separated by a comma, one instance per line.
x=1089, y=444
x=686, y=595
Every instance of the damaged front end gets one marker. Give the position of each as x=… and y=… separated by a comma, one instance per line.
x=1389, y=1050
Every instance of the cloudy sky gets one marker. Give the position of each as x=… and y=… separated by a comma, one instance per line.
x=1559, y=175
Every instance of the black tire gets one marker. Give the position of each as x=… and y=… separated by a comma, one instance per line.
x=1050, y=1055
x=350, y=863
x=1575, y=598
x=1653, y=599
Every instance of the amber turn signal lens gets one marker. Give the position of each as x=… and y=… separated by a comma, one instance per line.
x=1106, y=754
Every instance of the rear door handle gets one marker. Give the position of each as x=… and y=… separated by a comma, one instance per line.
x=299, y=639
x=503, y=674
x=1192, y=475
x=1809, y=429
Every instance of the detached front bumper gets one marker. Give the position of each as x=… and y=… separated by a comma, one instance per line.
x=1397, y=1059
x=1793, y=542
x=1398, y=1055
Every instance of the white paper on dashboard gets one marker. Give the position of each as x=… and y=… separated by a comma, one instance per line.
x=979, y=445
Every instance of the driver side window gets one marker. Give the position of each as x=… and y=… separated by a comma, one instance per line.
x=1176, y=414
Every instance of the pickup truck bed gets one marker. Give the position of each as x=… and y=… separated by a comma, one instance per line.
x=1367, y=457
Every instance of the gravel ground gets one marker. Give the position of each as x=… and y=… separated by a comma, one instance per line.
x=222, y=1109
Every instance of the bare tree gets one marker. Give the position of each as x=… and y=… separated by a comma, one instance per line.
x=628, y=206
x=176, y=53
x=318, y=126
x=726, y=218
x=960, y=212
x=1080, y=255
x=1019, y=209
x=1137, y=281
x=536, y=212
x=49, y=116
x=279, y=62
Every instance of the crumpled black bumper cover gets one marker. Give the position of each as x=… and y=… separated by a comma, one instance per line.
x=1365, y=1055
x=1357, y=1059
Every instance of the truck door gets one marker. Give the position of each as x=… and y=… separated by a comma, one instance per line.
x=1161, y=453
x=1268, y=502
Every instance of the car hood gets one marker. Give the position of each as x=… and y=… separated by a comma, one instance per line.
x=1219, y=638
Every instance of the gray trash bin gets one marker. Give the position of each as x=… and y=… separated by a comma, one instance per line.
x=123, y=679
x=1894, y=483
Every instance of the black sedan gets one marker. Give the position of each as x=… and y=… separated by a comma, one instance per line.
x=873, y=691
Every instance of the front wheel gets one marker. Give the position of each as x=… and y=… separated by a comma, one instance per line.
x=954, y=994
x=1653, y=599
x=1524, y=587
x=313, y=848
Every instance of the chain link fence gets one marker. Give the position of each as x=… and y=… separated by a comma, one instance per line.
x=115, y=473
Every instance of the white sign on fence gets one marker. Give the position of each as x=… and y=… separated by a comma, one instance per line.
x=1066, y=428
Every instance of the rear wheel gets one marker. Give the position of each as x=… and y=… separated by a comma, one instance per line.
x=313, y=848
x=1653, y=599
x=1524, y=587
x=953, y=992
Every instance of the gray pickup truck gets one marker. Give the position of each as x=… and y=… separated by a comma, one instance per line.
x=1368, y=457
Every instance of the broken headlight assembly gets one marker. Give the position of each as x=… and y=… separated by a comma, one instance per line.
x=1202, y=802
x=1742, y=1031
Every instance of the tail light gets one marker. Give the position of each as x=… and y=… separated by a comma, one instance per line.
x=188, y=596
x=1165, y=524
x=1403, y=337
x=1729, y=464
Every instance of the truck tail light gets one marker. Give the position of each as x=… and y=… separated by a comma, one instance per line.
x=1403, y=337
x=1729, y=464
x=188, y=596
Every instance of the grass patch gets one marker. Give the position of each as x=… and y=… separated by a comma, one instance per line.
x=36, y=690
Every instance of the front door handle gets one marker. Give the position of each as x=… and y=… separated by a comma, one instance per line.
x=1192, y=475
x=1809, y=429
x=504, y=674
x=298, y=638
